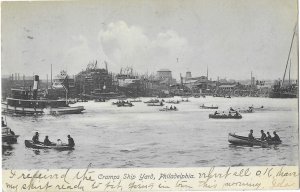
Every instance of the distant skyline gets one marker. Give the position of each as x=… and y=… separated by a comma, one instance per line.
x=230, y=37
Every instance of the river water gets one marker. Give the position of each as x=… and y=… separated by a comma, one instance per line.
x=125, y=137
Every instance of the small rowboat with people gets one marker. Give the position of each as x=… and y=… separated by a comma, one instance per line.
x=30, y=144
x=173, y=102
x=208, y=107
x=241, y=140
x=125, y=104
x=225, y=116
x=136, y=100
x=258, y=108
x=152, y=101
x=250, y=110
x=185, y=100
x=169, y=109
x=155, y=104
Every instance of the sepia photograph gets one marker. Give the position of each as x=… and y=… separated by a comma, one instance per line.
x=149, y=84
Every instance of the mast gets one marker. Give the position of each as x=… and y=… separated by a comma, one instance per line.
x=51, y=76
x=47, y=81
x=287, y=62
x=207, y=72
x=290, y=72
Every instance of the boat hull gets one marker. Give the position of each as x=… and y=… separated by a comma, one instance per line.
x=212, y=116
x=30, y=144
x=66, y=110
x=10, y=139
x=155, y=105
x=206, y=107
x=241, y=140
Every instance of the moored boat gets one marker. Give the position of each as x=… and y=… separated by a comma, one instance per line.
x=30, y=144
x=8, y=136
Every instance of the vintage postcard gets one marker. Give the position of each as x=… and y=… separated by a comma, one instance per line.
x=145, y=95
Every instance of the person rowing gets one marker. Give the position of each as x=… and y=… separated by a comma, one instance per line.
x=35, y=138
x=263, y=135
x=276, y=137
x=71, y=142
x=269, y=137
x=250, y=135
x=47, y=141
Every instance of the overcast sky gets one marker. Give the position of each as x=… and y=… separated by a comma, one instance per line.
x=230, y=37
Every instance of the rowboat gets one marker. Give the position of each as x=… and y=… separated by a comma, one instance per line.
x=30, y=144
x=241, y=140
x=207, y=107
x=155, y=104
x=125, y=105
x=66, y=110
x=166, y=109
x=173, y=102
x=136, y=100
x=152, y=101
x=221, y=116
x=250, y=110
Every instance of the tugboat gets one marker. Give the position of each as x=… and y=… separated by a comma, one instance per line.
x=26, y=102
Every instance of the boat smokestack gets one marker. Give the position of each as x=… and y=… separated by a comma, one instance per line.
x=35, y=86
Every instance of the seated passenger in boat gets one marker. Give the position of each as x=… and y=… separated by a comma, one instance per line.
x=269, y=137
x=263, y=135
x=171, y=108
x=35, y=138
x=276, y=137
x=236, y=114
x=216, y=113
x=174, y=108
x=47, y=141
x=250, y=135
x=3, y=124
x=71, y=142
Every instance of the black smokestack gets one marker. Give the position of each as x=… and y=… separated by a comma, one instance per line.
x=35, y=86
